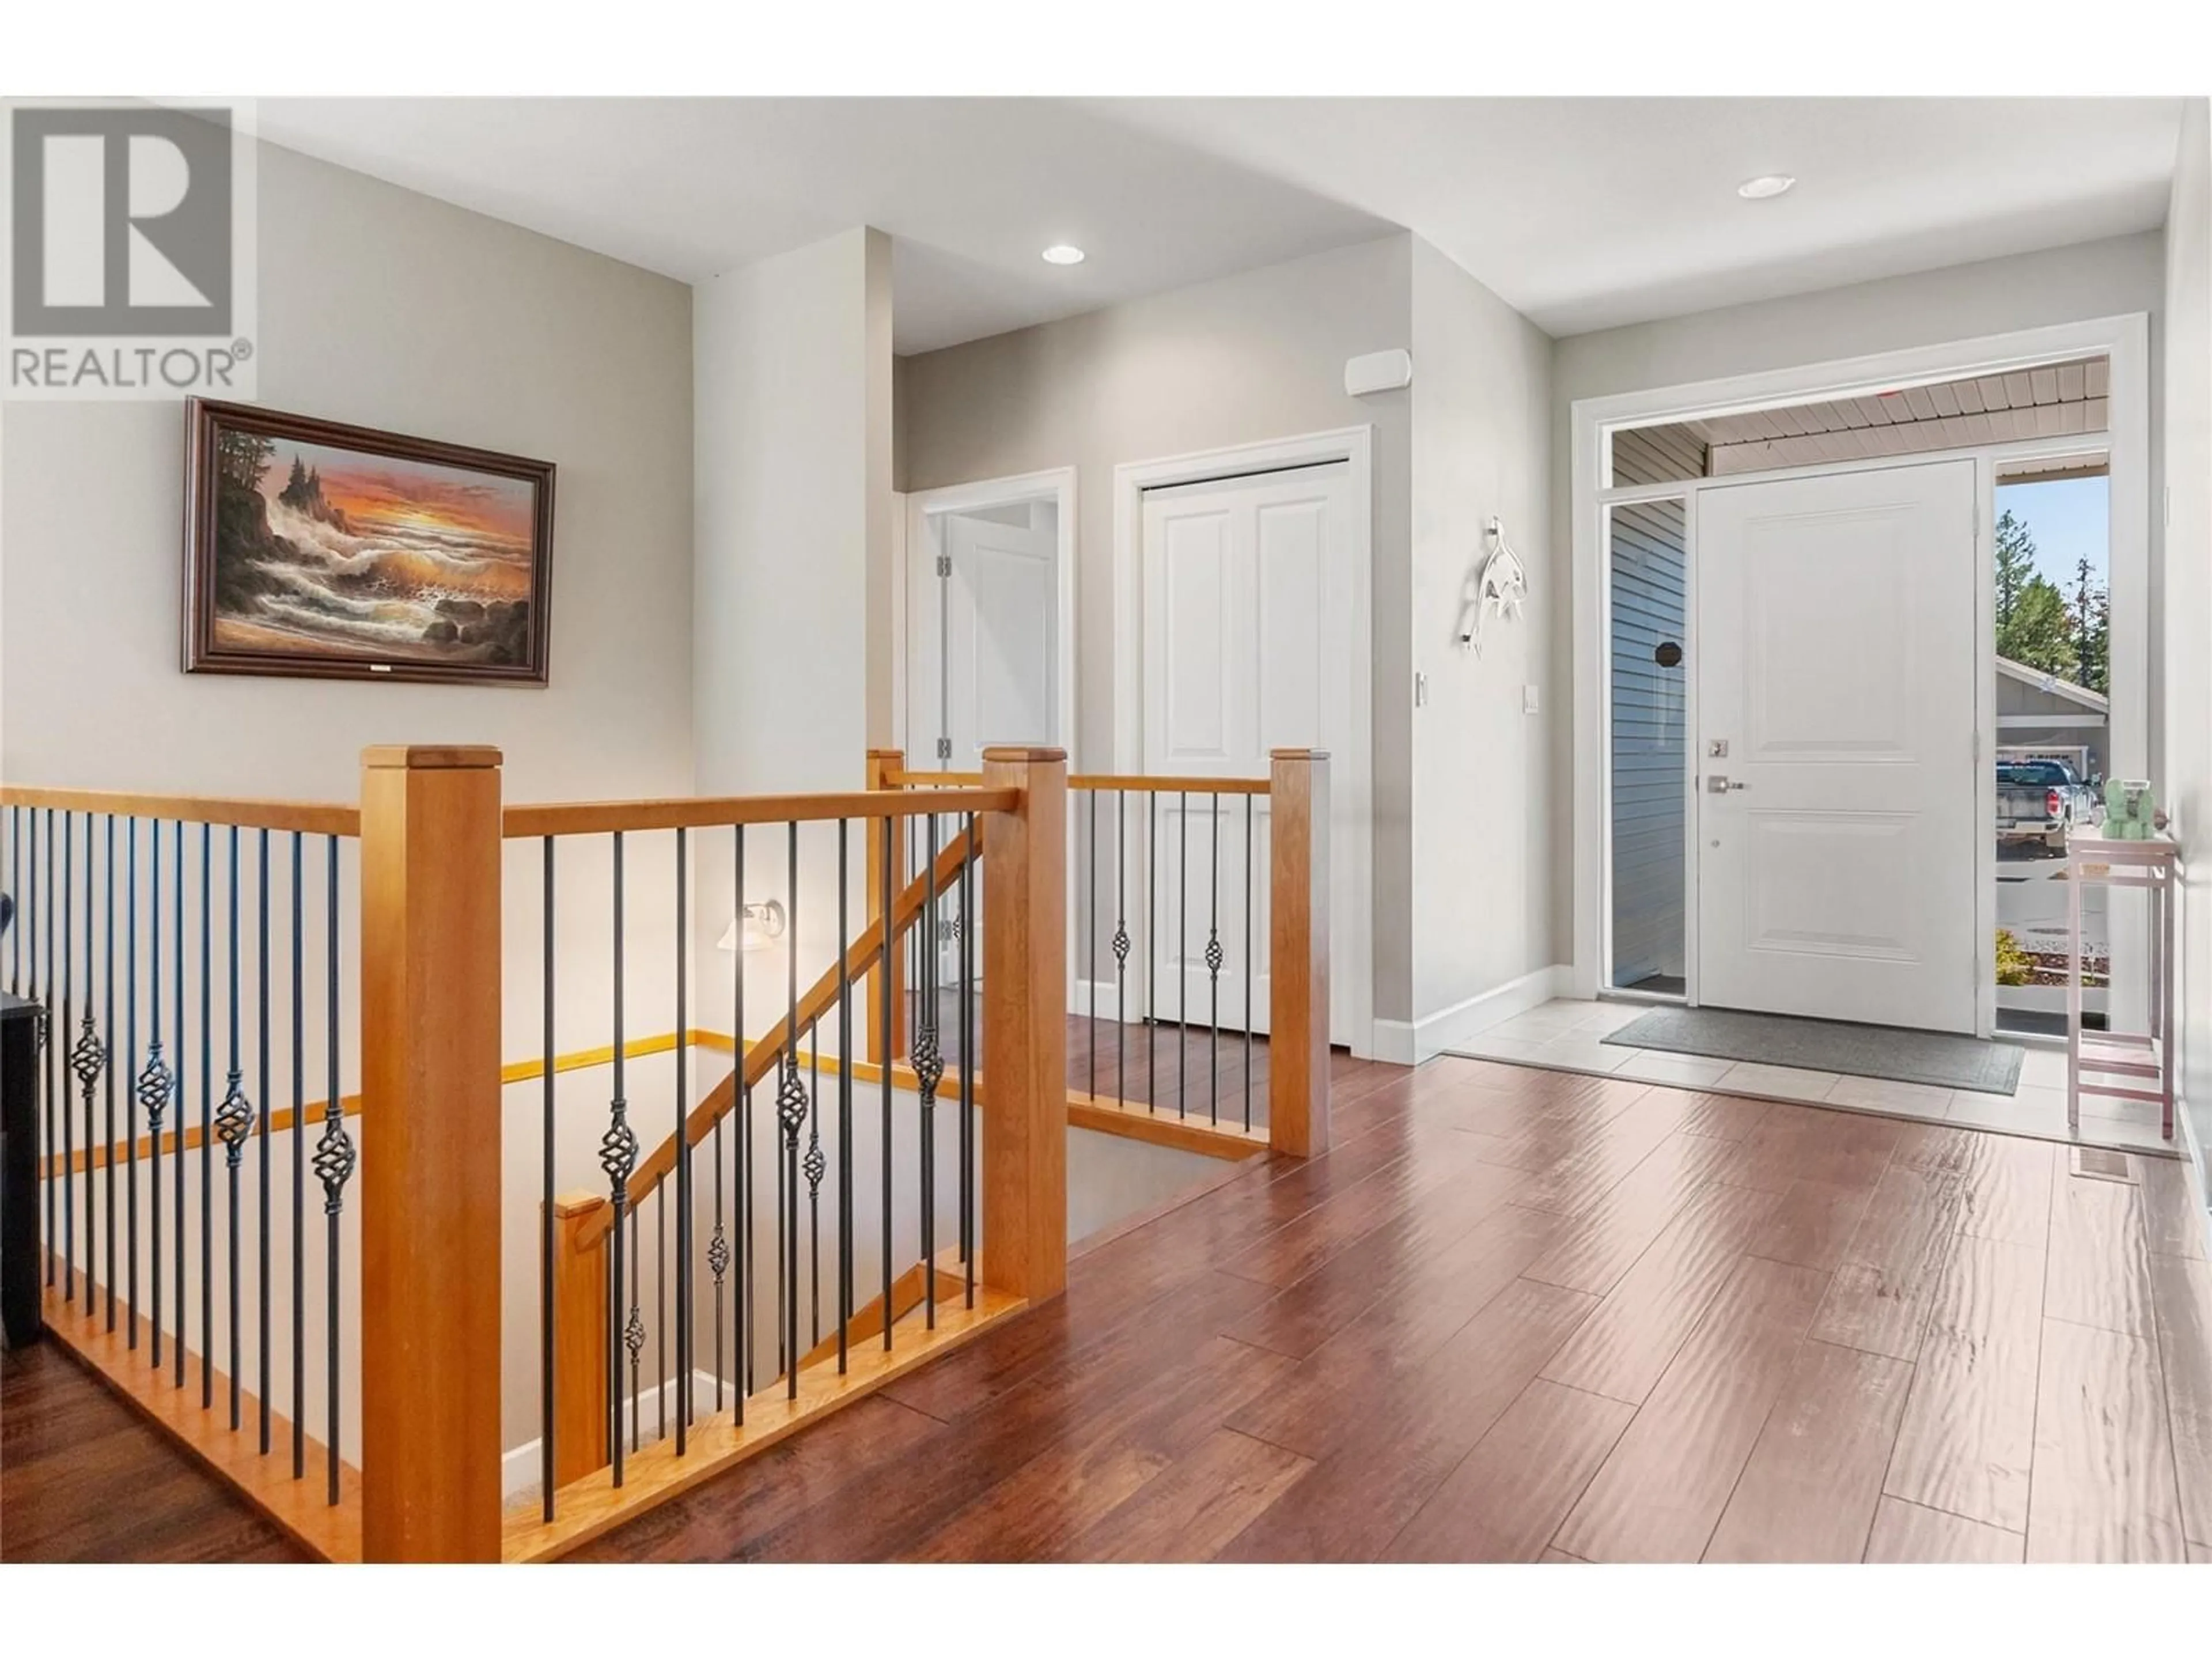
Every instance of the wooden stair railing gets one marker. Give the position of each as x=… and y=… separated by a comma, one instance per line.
x=1296, y=790
x=762, y=1055
x=1016, y=843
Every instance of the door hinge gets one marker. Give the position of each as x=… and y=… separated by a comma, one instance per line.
x=944, y=565
x=945, y=749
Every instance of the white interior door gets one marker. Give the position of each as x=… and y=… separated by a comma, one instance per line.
x=1247, y=605
x=999, y=589
x=1836, y=832
x=985, y=648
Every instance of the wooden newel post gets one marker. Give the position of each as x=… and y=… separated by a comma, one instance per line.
x=431, y=1271
x=1024, y=1248
x=1297, y=946
x=890, y=980
x=579, y=1336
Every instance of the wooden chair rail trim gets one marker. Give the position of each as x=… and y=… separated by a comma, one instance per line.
x=297, y=1507
x=586, y=1508
x=762, y=1053
x=99, y=1157
x=310, y=817
x=709, y=812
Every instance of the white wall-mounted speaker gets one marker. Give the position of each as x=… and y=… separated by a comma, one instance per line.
x=1378, y=371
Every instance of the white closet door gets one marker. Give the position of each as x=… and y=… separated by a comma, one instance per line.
x=1247, y=608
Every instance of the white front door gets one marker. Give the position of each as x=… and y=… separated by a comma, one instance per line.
x=1837, y=831
x=1247, y=605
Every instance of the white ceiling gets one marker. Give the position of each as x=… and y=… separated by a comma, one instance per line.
x=1582, y=213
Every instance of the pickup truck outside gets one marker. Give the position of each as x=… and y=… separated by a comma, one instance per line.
x=2041, y=800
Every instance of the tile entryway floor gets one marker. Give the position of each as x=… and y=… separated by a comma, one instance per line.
x=1568, y=1036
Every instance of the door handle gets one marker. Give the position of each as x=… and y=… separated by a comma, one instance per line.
x=1717, y=785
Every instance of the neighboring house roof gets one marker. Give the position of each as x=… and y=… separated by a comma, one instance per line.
x=2054, y=686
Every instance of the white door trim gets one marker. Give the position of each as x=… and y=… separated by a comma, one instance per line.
x=2124, y=339
x=918, y=554
x=1056, y=485
x=1351, y=774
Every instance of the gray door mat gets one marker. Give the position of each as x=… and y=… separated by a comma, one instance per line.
x=1936, y=1058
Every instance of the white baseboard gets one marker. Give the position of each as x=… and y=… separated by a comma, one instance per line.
x=1110, y=1000
x=1403, y=1043
x=518, y=1469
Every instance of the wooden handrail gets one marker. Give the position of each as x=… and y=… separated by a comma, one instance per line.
x=1130, y=783
x=860, y=957
x=310, y=817
x=712, y=812
x=1134, y=784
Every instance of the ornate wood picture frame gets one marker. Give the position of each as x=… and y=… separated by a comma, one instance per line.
x=336, y=551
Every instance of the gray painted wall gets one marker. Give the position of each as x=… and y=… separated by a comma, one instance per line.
x=1250, y=357
x=1488, y=803
x=383, y=309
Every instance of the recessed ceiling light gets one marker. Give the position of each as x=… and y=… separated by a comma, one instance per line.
x=1063, y=253
x=1766, y=185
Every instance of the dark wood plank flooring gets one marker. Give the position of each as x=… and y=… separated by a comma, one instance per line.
x=1512, y=1315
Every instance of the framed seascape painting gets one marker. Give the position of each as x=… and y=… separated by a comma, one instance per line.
x=317, y=549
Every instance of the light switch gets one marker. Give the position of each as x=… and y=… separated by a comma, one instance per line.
x=1528, y=700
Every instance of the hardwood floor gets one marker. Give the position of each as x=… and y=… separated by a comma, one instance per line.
x=84, y=1477
x=1513, y=1315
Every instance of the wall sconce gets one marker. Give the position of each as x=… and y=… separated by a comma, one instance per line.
x=757, y=925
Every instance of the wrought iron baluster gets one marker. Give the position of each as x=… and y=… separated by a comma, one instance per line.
x=1154, y=935
x=1182, y=946
x=261, y=1132
x=684, y=1195
x=69, y=1063
x=1121, y=948
x=131, y=1081
x=154, y=1086
x=208, y=1132
x=968, y=1063
x=545, y=1312
x=844, y=1099
x=741, y=1173
x=660, y=1307
x=792, y=1104
x=298, y=1153
x=334, y=1165
x=814, y=1165
x=233, y=1121
x=177, y=1136
x=107, y=1065
x=617, y=1159
x=1091, y=944
x=44, y=895
x=634, y=1332
x=1251, y=962
x=928, y=1071
x=718, y=1243
x=1214, y=958
x=892, y=994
